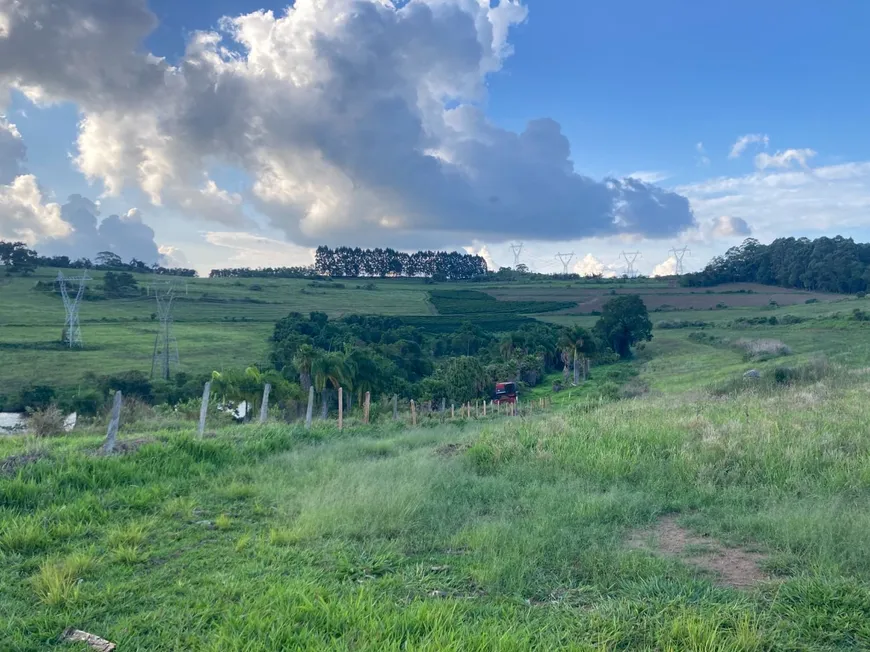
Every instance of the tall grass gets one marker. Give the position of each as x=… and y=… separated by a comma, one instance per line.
x=511, y=537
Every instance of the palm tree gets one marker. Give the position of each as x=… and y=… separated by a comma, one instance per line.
x=303, y=361
x=576, y=342
x=328, y=370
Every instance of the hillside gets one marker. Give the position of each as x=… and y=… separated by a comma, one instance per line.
x=707, y=512
x=223, y=323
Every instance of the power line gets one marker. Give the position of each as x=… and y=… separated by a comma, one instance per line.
x=630, y=257
x=72, y=332
x=517, y=249
x=165, y=344
x=678, y=255
x=565, y=259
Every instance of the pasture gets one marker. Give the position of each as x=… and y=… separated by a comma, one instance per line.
x=666, y=504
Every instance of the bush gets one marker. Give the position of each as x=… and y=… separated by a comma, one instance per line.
x=37, y=397
x=861, y=294
x=681, y=323
x=721, y=306
x=809, y=301
x=791, y=319
x=860, y=315
x=47, y=422
x=763, y=349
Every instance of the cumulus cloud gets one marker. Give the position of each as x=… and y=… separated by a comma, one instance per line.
x=726, y=226
x=483, y=252
x=825, y=198
x=666, y=268
x=25, y=216
x=784, y=159
x=356, y=120
x=745, y=141
x=589, y=265
x=24, y=213
x=125, y=235
x=172, y=257
x=12, y=151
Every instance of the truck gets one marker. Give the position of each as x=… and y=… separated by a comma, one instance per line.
x=505, y=393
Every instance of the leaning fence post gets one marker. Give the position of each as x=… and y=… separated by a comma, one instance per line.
x=264, y=408
x=340, y=407
x=367, y=407
x=114, y=422
x=203, y=410
x=395, y=407
x=310, y=411
x=413, y=413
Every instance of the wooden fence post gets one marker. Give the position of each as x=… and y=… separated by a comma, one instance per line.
x=310, y=411
x=340, y=408
x=413, y=413
x=114, y=422
x=367, y=407
x=264, y=408
x=203, y=410
x=395, y=407
x=484, y=409
x=453, y=410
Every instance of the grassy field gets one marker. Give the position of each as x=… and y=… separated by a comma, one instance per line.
x=513, y=534
x=226, y=323
x=666, y=505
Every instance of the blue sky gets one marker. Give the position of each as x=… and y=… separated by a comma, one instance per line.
x=662, y=91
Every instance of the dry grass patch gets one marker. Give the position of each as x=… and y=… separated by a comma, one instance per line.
x=734, y=567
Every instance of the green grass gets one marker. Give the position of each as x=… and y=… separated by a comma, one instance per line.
x=472, y=302
x=279, y=538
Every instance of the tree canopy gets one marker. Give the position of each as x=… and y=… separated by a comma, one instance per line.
x=624, y=322
x=825, y=264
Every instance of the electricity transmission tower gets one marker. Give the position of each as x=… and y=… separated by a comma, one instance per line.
x=678, y=255
x=165, y=344
x=565, y=259
x=630, y=258
x=72, y=332
x=517, y=249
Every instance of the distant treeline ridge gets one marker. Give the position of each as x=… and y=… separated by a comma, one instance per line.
x=354, y=262
x=825, y=264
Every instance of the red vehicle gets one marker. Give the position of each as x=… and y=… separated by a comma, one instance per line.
x=505, y=393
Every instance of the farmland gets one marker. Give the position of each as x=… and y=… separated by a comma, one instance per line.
x=666, y=505
x=702, y=511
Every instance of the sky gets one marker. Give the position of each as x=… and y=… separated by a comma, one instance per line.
x=248, y=132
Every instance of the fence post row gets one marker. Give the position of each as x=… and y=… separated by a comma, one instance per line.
x=367, y=407
x=413, y=413
x=203, y=410
x=114, y=422
x=264, y=407
x=310, y=411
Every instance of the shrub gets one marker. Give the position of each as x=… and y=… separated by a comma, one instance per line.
x=861, y=294
x=681, y=323
x=791, y=319
x=762, y=349
x=809, y=301
x=721, y=306
x=47, y=422
x=860, y=315
x=37, y=397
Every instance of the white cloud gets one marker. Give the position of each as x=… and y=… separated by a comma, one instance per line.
x=589, y=265
x=356, y=120
x=652, y=176
x=252, y=250
x=172, y=257
x=25, y=216
x=727, y=226
x=666, y=268
x=483, y=252
x=745, y=141
x=784, y=159
x=822, y=199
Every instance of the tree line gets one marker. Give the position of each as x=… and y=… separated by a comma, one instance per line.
x=439, y=265
x=18, y=258
x=825, y=264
